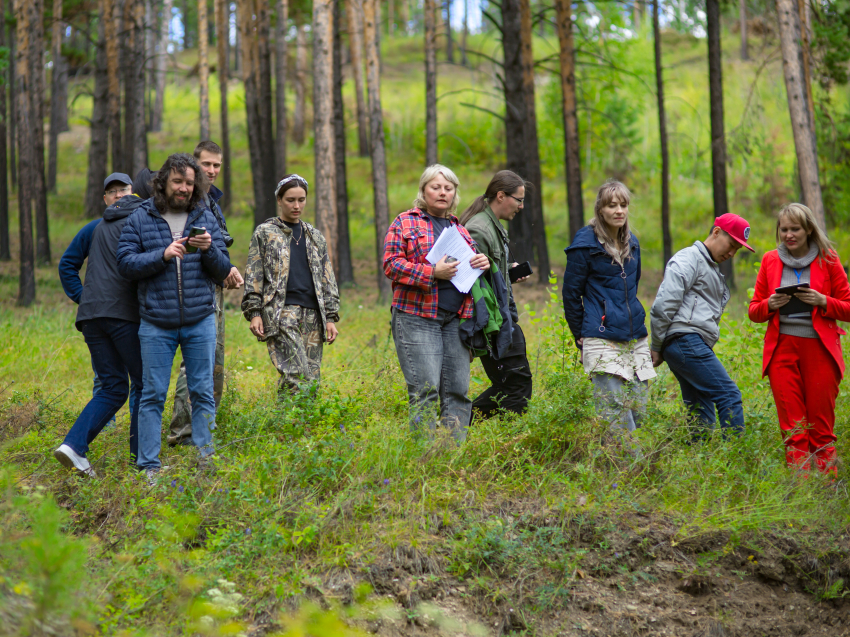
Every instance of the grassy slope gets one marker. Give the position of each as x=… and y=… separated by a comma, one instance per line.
x=525, y=527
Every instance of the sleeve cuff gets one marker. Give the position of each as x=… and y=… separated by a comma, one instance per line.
x=254, y=314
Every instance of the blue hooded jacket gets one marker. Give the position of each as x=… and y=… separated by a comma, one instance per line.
x=599, y=302
x=170, y=297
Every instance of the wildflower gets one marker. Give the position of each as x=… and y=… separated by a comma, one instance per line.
x=386, y=481
x=180, y=488
x=267, y=500
x=248, y=531
x=174, y=483
x=342, y=428
x=615, y=486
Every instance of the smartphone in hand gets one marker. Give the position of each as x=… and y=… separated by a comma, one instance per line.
x=519, y=271
x=194, y=232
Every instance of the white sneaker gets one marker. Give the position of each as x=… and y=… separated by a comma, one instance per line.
x=152, y=474
x=71, y=459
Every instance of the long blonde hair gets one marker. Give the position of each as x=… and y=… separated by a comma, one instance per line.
x=618, y=247
x=798, y=213
x=431, y=173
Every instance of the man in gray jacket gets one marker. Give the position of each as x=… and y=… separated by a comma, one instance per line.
x=685, y=323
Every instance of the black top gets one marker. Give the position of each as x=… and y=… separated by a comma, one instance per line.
x=449, y=298
x=300, y=289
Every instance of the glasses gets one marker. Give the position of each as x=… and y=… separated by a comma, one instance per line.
x=517, y=198
x=125, y=190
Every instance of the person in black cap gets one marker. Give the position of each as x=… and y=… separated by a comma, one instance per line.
x=108, y=317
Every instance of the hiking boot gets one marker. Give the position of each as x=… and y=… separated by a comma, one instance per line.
x=72, y=460
x=152, y=474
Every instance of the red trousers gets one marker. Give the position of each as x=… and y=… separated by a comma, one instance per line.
x=804, y=379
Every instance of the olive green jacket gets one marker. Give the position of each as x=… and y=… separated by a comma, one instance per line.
x=492, y=239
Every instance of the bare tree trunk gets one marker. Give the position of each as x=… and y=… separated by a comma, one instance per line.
x=280, y=84
x=184, y=14
x=803, y=12
x=222, y=22
x=534, y=172
x=5, y=250
x=26, y=282
x=572, y=142
x=666, y=238
x=299, y=116
x=354, y=13
x=390, y=17
x=13, y=105
x=801, y=122
x=450, y=43
x=636, y=15
x=342, y=266
x=36, y=95
x=430, y=9
x=379, y=155
x=404, y=17
x=203, y=69
x=463, y=59
x=110, y=29
x=58, y=94
x=99, y=144
x=266, y=109
x=137, y=152
x=160, y=63
x=131, y=88
x=742, y=18
x=323, y=128
x=237, y=50
x=264, y=207
x=718, y=134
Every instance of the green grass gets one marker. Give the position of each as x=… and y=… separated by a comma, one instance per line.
x=316, y=496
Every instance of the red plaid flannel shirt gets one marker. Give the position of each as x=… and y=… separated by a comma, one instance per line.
x=409, y=239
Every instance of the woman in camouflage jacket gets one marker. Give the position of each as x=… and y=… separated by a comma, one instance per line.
x=291, y=298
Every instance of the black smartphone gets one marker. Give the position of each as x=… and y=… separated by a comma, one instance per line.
x=194, y=232
x=519, y=271
x=791, y=289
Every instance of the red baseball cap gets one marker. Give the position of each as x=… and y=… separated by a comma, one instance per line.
x=737, y=227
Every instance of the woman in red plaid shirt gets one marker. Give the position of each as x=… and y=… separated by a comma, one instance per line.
x=427, y=308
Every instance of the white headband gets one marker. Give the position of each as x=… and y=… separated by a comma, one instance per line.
x=285, y=181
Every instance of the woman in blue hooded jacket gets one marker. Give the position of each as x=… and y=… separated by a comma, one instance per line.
x=604, y=313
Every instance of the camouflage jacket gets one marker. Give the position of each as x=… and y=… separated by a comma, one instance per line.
x=268, y=271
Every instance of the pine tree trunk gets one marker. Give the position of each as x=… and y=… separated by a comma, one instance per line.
x=36, y=95
x=803, y=12
x=343, y=268
x=203, y=69
x=534, y=173
x=430, y=10
x=636, y=16
x=572, y=141
x=237, y=50
x=354, y=13
x=666, y=239
x=58, y=95
x=99, y=144
x=110, y=29
x=184, y=14
x=404, y=17
x=450, y=43
x=222, y=26
x=137, y=152
x=5, y=250
x=299, y=116
x=718, y=134
x=266, y=108
x=379, y=154
x=522, y=246
x=323, y=127
x=13, y=106
x=249, y=55
x=131, y=87
x=160, y=65
x=26, y=281
x=742, y=18
x=801, y=123
x=390, y=17
x=464, y=60
x=280, y=84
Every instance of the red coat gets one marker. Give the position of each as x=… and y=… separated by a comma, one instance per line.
x=827, y=278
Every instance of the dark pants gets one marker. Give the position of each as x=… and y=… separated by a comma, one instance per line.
x=511, y=378
x=705, y=384
x=116, y=356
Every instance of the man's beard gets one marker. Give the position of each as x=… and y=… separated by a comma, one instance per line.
x=177, y=204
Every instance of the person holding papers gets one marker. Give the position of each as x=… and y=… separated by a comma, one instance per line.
x=428, y=305
x=801, y=291
x=604, y=313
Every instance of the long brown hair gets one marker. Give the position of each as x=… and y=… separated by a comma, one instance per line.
x=505, y=181
x=619, y=247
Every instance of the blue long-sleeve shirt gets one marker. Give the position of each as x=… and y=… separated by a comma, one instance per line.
x=72, y=261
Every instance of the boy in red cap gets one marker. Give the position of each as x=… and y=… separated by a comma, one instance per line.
x=685, y=319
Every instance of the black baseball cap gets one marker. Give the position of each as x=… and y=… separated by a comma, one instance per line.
x=119, y=177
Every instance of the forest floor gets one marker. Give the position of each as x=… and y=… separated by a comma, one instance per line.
x=326, y=517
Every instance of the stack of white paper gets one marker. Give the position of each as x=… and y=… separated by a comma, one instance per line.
x=451, y=243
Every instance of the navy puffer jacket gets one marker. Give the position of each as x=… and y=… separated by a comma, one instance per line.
x=170, y=297
x=594, y=287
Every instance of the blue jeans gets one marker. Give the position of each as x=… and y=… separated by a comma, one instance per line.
x=96, y=385
x=115, y=355
x=197, y=344
x=435, y=365
x=705, y=383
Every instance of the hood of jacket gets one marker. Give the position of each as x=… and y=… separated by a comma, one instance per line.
x=122, y=208
x=142, y=183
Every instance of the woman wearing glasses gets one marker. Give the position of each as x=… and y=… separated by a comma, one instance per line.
x=511, y=374
x=604, y=313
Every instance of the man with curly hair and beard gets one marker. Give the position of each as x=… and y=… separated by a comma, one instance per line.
x=177, y=275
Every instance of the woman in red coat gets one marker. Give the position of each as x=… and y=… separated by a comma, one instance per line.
x=802, y=351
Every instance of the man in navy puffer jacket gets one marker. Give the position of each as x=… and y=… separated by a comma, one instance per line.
x=177, y=277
